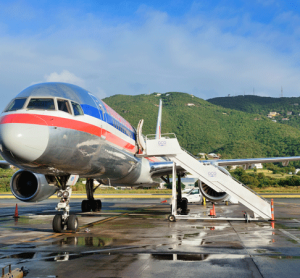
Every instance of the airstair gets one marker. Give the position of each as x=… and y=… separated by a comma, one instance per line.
x=210, y=174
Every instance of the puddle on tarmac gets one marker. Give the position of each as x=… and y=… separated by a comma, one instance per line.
x=180, y=257
x=91, y=241
x=26, y=255
x=84, y=241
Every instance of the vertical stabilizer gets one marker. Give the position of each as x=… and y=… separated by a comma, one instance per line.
x=158, y=125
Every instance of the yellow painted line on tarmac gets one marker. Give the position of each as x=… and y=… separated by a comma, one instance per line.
x=128, y=196
x=113, y=196
x=279, y=196
x=146, y=196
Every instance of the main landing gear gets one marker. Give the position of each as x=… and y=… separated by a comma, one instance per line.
x=182, y=203
x=90, y=203
x=60, y=222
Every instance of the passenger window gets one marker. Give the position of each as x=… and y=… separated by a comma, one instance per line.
x=41, y=103
x=63, y=105
x=16, y=104
x=77, y=109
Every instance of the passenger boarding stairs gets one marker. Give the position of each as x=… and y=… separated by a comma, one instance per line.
x=208, y=173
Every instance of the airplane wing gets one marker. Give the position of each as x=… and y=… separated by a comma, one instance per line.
x=227, y=162
x=165, y=167
x=4, y=164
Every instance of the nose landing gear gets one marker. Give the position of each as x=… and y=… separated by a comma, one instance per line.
x=65, y=220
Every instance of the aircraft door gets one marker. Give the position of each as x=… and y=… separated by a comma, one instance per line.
x=139, y=137
x=101, y=114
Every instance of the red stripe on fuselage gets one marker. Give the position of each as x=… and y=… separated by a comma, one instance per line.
x=67, y=123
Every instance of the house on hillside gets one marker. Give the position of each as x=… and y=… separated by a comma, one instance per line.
x=273, y=114
x=213, y=155
x=201, y=155
x=285, y=119
x=289, y=113
x=257, y=166
x=190, y=104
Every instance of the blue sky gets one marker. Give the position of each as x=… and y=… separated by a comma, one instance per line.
x=206, y=48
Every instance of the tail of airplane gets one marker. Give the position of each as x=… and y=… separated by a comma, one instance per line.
x=158, y=125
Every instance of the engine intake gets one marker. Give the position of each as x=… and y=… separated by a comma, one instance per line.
x=211, y=194
x=31, y=187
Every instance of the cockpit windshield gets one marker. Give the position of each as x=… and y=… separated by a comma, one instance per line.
x=16, y=104
x=41, y=103
x=77, y=109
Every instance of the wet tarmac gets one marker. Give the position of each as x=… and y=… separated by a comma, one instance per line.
x=133, y=238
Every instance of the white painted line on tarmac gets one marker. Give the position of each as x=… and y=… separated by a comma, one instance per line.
x=296, y=220
x=290, y=235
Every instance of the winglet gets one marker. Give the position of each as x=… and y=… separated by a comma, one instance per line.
x=158, y=125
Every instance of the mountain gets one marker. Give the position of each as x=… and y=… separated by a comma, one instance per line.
x=202, y=126
x=263, y=106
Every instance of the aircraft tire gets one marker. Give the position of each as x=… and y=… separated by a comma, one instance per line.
x=184, y=204
x=99, y=204
x=57, y=223
x=72, y=224
x=85, y=206
x=93, y=205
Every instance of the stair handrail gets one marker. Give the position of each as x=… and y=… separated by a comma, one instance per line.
x=217, y=166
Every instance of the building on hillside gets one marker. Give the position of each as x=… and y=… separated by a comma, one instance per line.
x=285, y=119
x=289, y=113
x=201, y=155
x=257, y=166
x=274, y=121
x=273, y=114
x=213, y=155
x=190, y=104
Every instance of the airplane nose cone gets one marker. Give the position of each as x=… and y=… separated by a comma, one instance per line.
x=25, y=141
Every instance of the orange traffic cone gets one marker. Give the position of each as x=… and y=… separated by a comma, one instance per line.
x=212, y=211
x=16, y=212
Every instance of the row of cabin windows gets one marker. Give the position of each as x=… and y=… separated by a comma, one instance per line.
x=45, y=104
x=117, y=125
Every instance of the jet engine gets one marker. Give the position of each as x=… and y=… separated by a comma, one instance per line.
x=211, y=194
x=31, y=187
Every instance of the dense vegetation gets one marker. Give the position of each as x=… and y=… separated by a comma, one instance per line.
x=204, y=127
x=263, y=106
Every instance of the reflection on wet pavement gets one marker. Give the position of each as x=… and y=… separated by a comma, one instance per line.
x=142, y=243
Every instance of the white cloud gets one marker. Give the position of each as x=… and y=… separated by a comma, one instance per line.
x=195, y=54
x=65, y=76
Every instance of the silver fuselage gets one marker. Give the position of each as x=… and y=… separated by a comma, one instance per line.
x=98, y=144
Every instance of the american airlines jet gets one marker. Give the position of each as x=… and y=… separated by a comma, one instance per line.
x=55, y=132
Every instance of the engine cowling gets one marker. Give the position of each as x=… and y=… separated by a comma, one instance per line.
x=211, y=194
x=31, y=187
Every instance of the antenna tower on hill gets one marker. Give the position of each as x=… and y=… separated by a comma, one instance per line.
x=281, y=95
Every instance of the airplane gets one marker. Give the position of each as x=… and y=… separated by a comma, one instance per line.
x=56, y=132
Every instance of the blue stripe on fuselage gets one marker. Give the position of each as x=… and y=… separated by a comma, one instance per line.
x=96, y=113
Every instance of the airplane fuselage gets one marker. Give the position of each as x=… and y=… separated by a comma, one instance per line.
x=61, y=129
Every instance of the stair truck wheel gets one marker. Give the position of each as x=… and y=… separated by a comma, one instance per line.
x=172, y=218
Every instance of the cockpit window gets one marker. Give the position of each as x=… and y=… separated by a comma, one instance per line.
x=77, y=109
x=16, y=104
x=41, y=103
x=63, y=105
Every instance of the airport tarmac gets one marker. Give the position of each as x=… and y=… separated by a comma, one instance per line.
x=133, y=238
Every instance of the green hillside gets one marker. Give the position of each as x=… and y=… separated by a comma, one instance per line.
x=205, y=127
x=263, y=106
